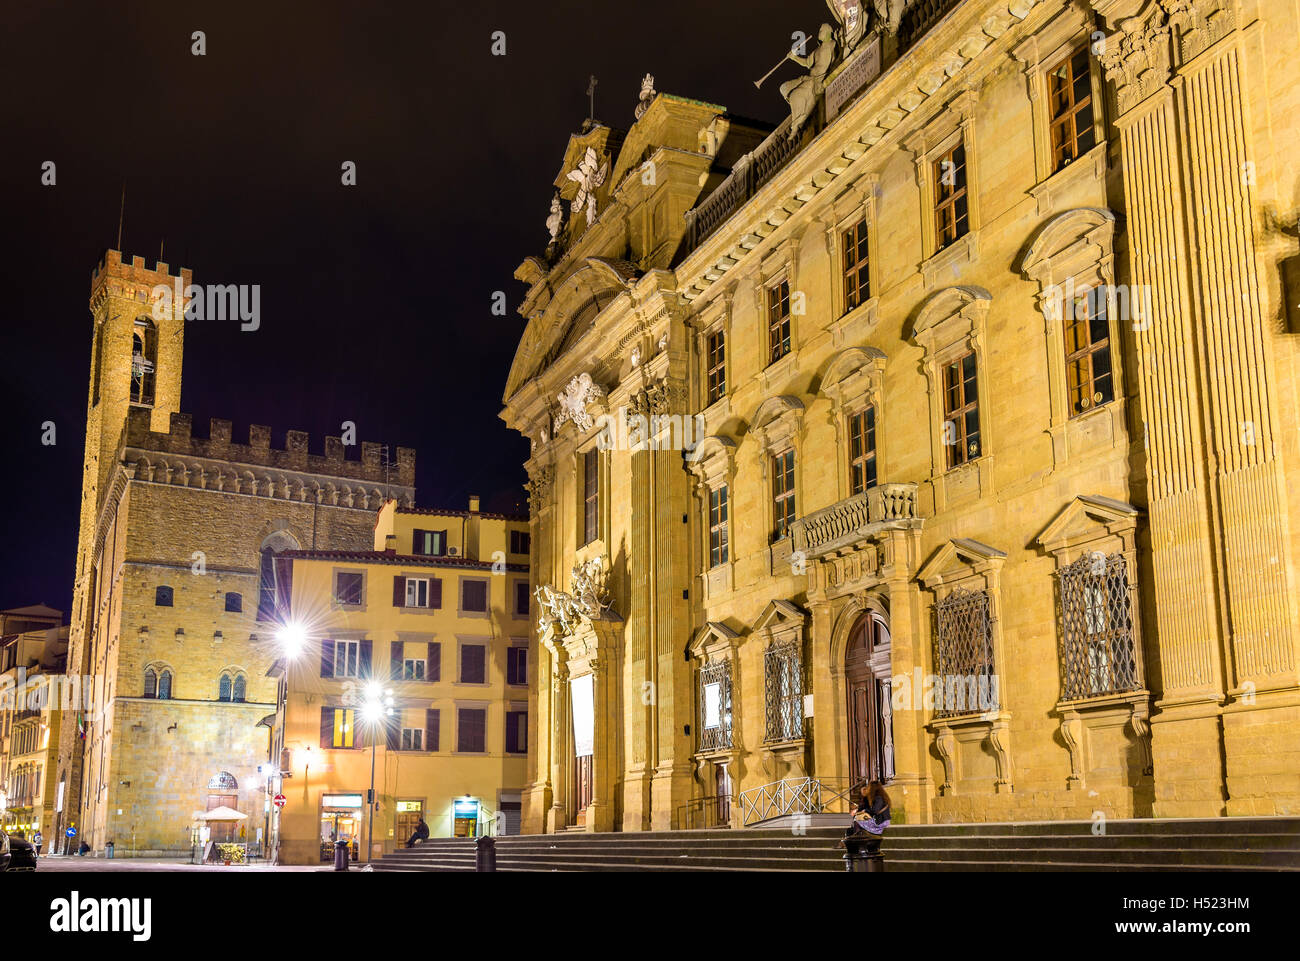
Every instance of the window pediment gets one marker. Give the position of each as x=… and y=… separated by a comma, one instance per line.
x=1076, y=244
x=854, y=376
x=950, y=316
x=777, y=422
x=960, y=559
x=712, y=461
x=779, y=620
x=1086, y=519
x=712, y=640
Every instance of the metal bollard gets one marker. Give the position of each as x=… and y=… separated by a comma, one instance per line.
x=340, y=855
x=485, y=854
x=862, y=853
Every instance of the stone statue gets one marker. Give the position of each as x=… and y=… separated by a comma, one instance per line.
x=802, y=93
x=648, y=93
x=588, y=175
x=563, y=611
x=556, y=219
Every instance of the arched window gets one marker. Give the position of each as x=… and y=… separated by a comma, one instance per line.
x=273, y=588
x=224, y=693
x=240, y=689
x=234, y=602
x=224, y=781
x=165, y=686
x=144, y=355
x=150, y=682
x=162, y=597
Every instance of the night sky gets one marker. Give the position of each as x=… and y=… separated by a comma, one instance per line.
x=375, y=299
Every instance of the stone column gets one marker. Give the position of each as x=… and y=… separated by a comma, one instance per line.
x=1215, y=492
x=912, y=788
x=561, y=746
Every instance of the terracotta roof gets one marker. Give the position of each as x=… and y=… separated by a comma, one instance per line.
x=448, y=512
x=405, y=560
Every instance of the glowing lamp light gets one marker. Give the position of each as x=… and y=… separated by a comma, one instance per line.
x=292, y=638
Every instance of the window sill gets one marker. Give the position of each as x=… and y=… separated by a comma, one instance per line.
x=855, y=324
x=1048, y=191
x=943, y=269
x=780, y=370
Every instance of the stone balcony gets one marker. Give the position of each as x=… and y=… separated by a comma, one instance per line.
x=855, y=519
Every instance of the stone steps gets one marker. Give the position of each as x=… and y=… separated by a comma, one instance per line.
x=1233, y=844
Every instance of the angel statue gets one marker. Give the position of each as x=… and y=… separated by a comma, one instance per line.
x=556, y=219
x=802, y=93
x=589, y=175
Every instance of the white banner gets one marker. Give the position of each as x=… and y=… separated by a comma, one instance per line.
x=583, y=708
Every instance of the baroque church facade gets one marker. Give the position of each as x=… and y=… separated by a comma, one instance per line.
x=177, y=584
x=937, y=436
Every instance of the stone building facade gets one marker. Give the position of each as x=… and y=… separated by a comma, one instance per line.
x=935, y=437
x=432, y=625
x=175, y=599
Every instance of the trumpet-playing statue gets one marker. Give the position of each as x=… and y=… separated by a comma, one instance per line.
x=802, y=93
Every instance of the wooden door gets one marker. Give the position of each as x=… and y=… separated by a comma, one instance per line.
x=582, y=785
x=722, y=789
x=866, y=669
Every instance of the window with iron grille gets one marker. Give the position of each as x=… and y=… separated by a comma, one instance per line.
x=1088, y=377
x=590, y=496
x=961, y=411
x=778, y=321
x=1069, y=93
x=716, y=365
x=782, y=493
x=951, y=216
x=857, y=283
x=1098, y=649
x=783, y=689
x=718, y=546
x=963, y=654
x=862, y=449
x=715, y=706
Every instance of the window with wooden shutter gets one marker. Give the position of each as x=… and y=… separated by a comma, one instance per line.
x=326, y=658
x=522, y=598
x=399, y=591
x=471, y=730
x=590, y=496
x=364, y=665
x=434, y=670
x=349, y=588
x=778, y=321
x=961, y=429
x=783, y=505
x=516, y=732
x=473, y=664
x=1069, y=91
x=517, y=665
x=435, y=593
x=715, y=366
x=473, y=595
x=327, y=727
x=396, y=657
x=431, y=729
x=393, y=737
x=951, y=216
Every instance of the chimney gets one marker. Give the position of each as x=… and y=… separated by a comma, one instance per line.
x=473, y=503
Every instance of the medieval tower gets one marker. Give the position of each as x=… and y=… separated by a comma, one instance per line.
x=175, y=598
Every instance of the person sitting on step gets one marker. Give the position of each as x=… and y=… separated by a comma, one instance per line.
x=871, y=816
x=421, y=834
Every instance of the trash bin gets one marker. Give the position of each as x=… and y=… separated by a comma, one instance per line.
x=340, y=855
x=862, y=853
x=109, y=848
x=485, y=854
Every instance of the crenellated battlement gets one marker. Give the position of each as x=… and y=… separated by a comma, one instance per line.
x=294, y=456
x=134, y=275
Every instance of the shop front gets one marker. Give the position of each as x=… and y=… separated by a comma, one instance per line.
x=341, y=819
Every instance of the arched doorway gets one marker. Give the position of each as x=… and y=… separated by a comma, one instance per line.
x=866, y=669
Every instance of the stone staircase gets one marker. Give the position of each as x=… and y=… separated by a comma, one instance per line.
x=1213, y=844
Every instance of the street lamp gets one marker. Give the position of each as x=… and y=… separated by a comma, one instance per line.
x=292, y=638
x=376, y=707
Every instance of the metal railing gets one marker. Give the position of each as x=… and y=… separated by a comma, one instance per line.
x=706, y=812
x=805, y=795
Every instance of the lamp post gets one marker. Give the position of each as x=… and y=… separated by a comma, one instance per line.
x=377, y=706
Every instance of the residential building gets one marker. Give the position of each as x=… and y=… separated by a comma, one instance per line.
x=432, y=625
